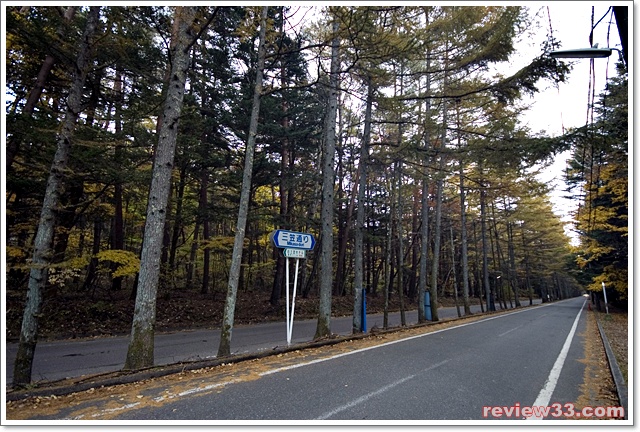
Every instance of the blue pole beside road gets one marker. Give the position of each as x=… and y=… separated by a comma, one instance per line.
x=427, y=305
x=364, y=310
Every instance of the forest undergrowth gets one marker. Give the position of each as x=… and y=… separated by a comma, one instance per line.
x=80, y=315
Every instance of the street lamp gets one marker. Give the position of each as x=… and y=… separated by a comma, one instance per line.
x=593, y=52
x=582, y=53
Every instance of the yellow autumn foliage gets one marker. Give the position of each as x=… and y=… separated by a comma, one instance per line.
x=15, y=252
x=129, y=263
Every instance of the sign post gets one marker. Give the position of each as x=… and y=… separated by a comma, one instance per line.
x=295, y=245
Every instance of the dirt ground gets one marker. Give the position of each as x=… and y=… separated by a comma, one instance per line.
x=616, y=327
x=598, y=388
x=79, y=315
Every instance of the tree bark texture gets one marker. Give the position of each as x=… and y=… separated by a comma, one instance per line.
x=453, y=270
x=400, y=234
x=323, y=327
x=359, y=231
x=141, y=344
x=464, y=243
x=485, y=251
x=424, y=226
x=224, y=349
x=513, y=275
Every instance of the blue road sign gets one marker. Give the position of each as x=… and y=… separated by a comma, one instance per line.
x=293, y=240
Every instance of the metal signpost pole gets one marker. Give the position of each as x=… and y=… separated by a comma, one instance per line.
x=287, y=286
x=293, y=300
x=294, y=245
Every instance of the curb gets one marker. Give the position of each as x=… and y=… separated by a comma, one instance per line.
x=67, y=386
x=618, y=379
x=63, y=387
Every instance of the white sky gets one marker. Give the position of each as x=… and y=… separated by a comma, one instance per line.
x=571, y=23
x=567, y=104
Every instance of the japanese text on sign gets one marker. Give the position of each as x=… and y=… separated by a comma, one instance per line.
x=295, y=240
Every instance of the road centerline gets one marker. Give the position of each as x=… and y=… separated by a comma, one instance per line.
x=320, y=360
x=509, y=331
x=372, y=394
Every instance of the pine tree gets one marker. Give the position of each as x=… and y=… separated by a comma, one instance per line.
x=141, y=344
x=43, y=243
x=602, y=218
x=323, y=328
x=224, y=348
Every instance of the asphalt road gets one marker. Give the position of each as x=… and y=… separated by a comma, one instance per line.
x=523, y=358
x=447, y=375
x=74, y=358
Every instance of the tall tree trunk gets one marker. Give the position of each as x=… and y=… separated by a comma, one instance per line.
x=206, y=233
x=424, y=248
x=476, y=276
x=224, y=348
x=278, y=282
x=93, y=264
x=141, y=343
x=437, y=234
x=485, y=247
x=453, y=267
x=344, y=239
x=344, y=218
x=387, y=270
x=323, y=327
x=437, y=237
x=415, y=245
x=312, y=210
x=424, y=230
x=498, y=260
x=527, y=268
x=439, y=197
x=359, y=232
x=464, y=253
x=166, y=239
x=400, y=234
x=66, y=216
x=177, y=224
x=193, y=254
x=513, y=276
x=44, y=237
x=400, y=219
x=117, y=231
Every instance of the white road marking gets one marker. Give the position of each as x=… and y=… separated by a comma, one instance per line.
x=516, y=328
x=550, y=385
x=106, y=411
x=381, y=390
x=509, y=331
